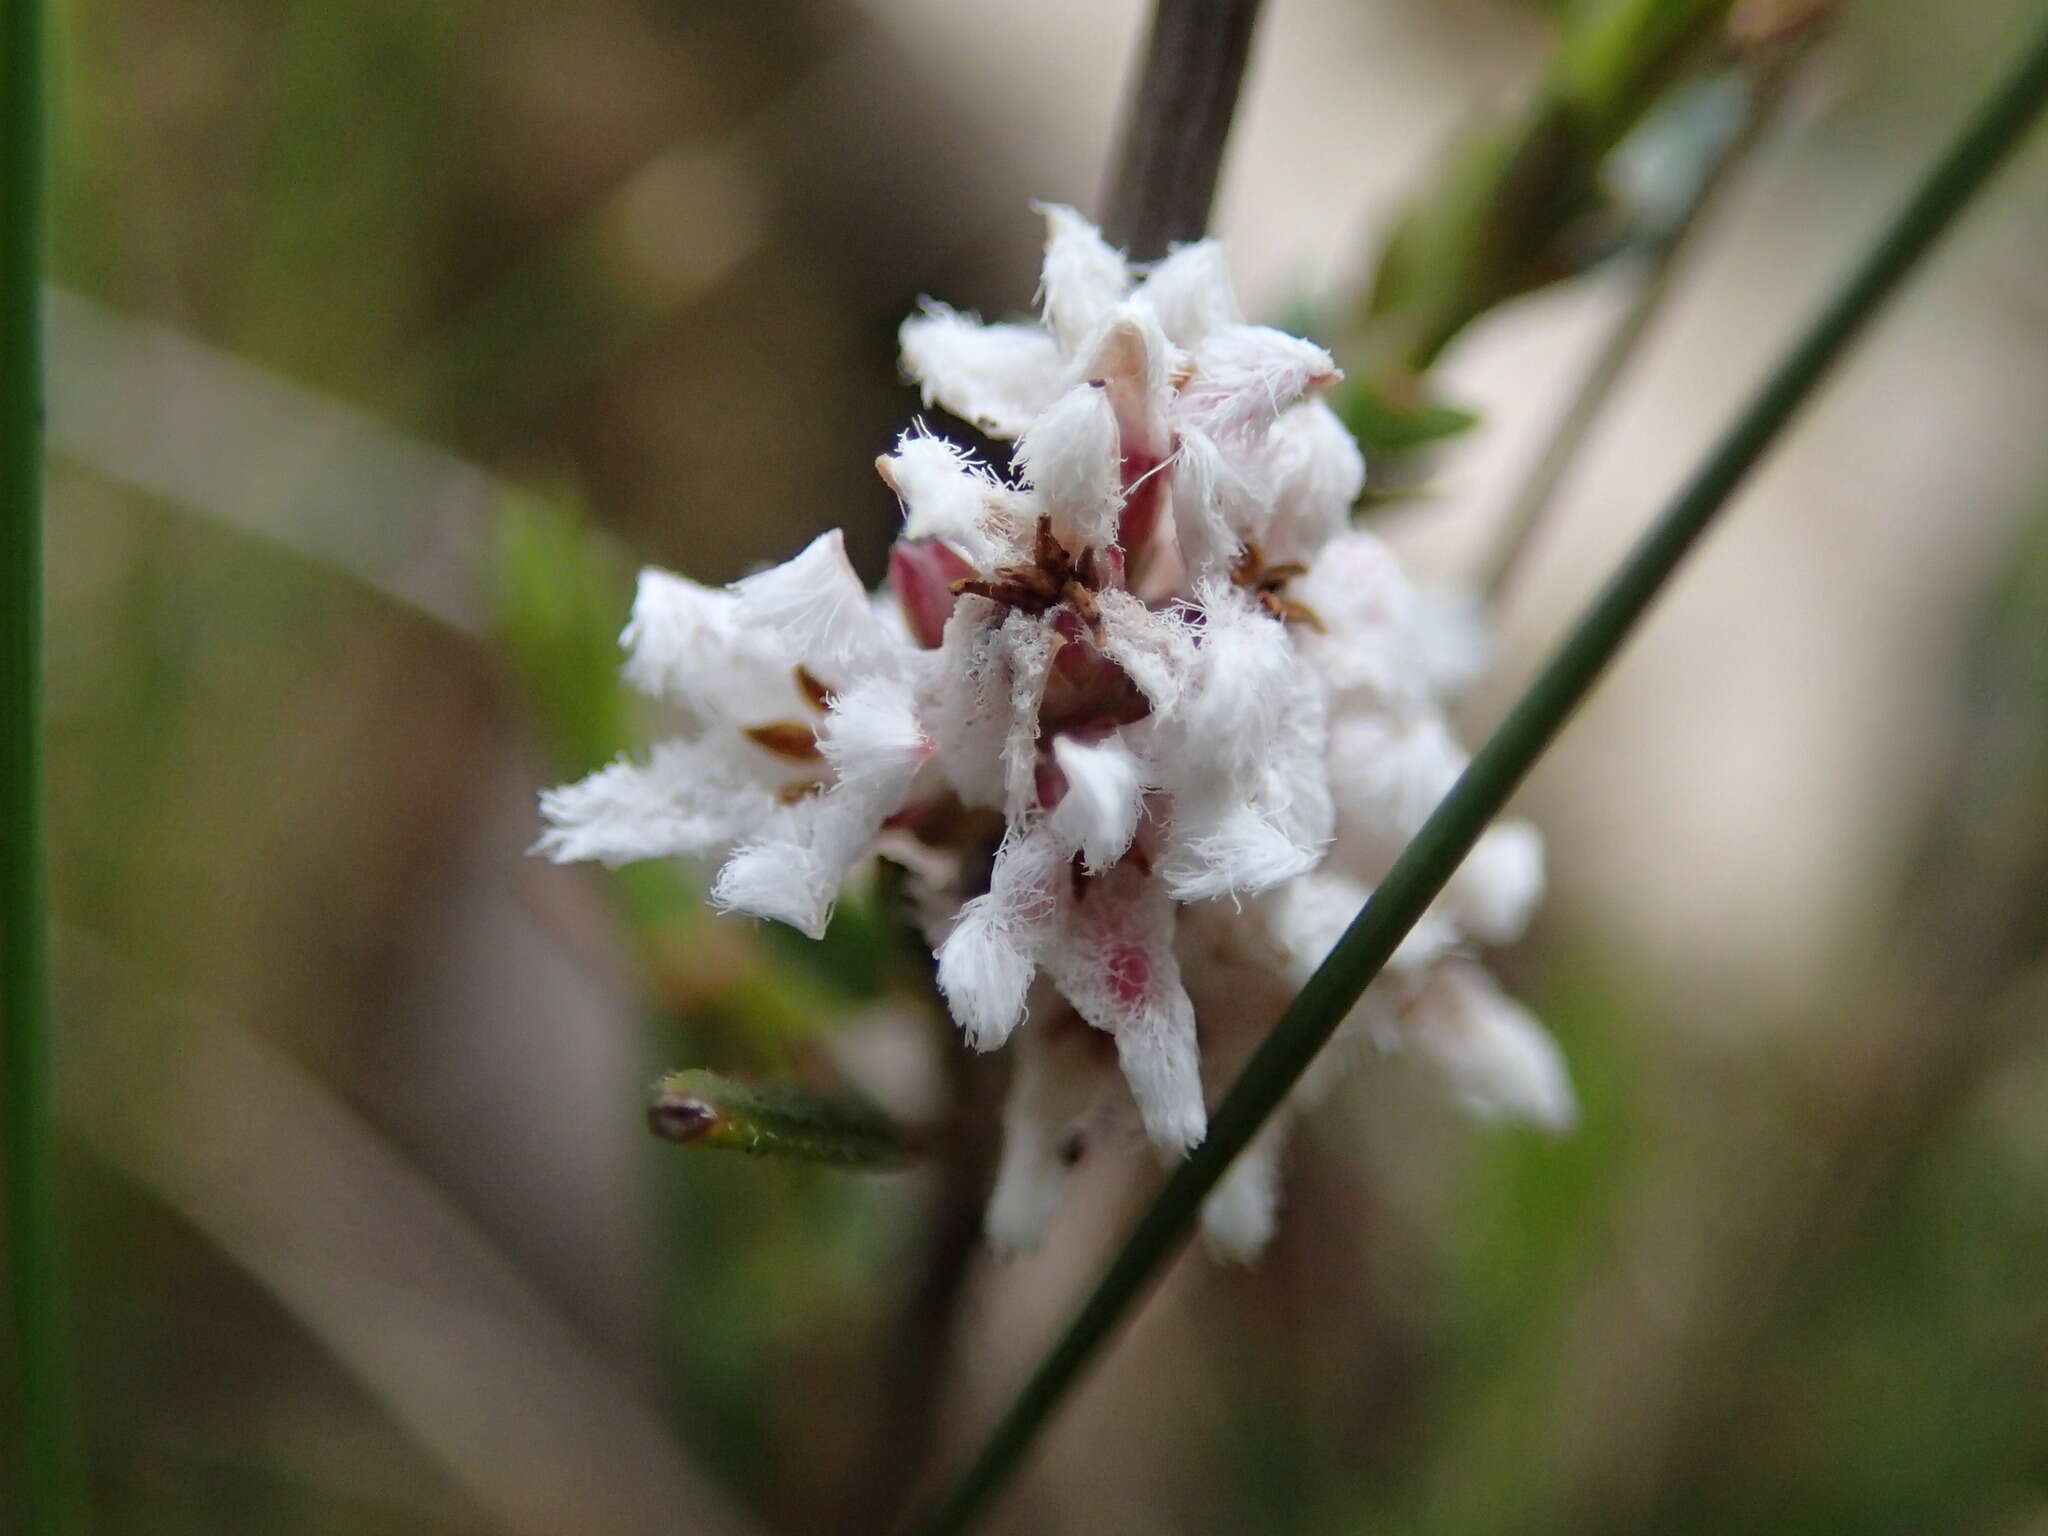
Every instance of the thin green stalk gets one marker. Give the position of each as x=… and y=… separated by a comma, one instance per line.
x=40, y=1417
x=1500, y=765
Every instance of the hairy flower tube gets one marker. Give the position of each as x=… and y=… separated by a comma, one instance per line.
x=1142, y=716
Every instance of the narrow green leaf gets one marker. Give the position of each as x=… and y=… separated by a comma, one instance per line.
x=41, y=1413
x=702, y=1109
x=1499, y=766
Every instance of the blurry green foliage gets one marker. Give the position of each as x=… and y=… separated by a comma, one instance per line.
x=778, y=1119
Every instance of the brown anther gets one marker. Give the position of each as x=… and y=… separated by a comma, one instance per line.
x=1288, y=612
x=797, y=789
x=680, y=1117
x=1084, y=603
x=1051, y=555
x=815, y=693
x=786, y=738
x=1274, y=577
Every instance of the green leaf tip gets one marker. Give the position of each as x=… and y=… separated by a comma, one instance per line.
x=701, y=1108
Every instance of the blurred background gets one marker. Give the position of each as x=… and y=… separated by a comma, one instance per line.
x=389, y=337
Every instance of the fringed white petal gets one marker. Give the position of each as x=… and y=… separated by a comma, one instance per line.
x=1028, y=645
x=678, y=631
x=689, y=799
x=1190, y=292
x=947, y=495
x=1495, y=891
x=1055, y=1084
x=1388, y=775
x=780, y=875
x=1098, y=814
x=1132, y=359
x=1071, y=459
x=1246, y=375
x=1245, y=754
x=1115, y=963
x=999, y=377
x=1083, y=280
x=1221, y=848
x=1502, y=1064
x=1453, y=640
x=1215, y=508
x=1243, y=1210
x=817, y=610
x=1314, y=472
x=872, y=735
x=1368, y=612
x=986, y=963
x=1155, y=647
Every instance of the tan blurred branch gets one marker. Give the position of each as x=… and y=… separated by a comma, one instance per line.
x=409, y=1297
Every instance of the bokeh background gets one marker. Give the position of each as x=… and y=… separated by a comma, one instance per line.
x=389, y=336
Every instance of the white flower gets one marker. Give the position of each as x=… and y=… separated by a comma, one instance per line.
x=1142, y=717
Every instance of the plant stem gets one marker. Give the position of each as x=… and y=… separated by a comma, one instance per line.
x=1170, y=147
x=1496, y=770
x=41, y=1420
x=1660, y=263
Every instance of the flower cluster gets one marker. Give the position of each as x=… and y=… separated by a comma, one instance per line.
x=1143, y=717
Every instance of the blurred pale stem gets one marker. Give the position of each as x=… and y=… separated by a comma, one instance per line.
x=1170, y=146
x=1659, y=265
x=41, y=1416
x=1428, y=862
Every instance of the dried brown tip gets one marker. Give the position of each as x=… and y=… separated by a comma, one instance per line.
x=815, y=693
x=680, y=1117
x=786, y=738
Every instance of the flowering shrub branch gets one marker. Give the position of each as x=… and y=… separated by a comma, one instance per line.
x=1426, y=865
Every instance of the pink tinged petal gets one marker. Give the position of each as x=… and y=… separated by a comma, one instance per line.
x=999, y=377
x=1085, y=691
x=1071, y=459
x=1115, y=963
x=1083, y=279
x=816, y=610
x=1097, y=814
x=690, y=799
x=1191, y=294
x=987, y=962
x=1131, y=361
x=1245, y=376
x=921, y=574
x=1502, y=1064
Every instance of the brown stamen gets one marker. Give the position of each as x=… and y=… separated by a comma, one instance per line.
x=786, y=738
x=815, y=693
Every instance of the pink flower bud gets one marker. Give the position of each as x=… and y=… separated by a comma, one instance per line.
x=921, y=574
